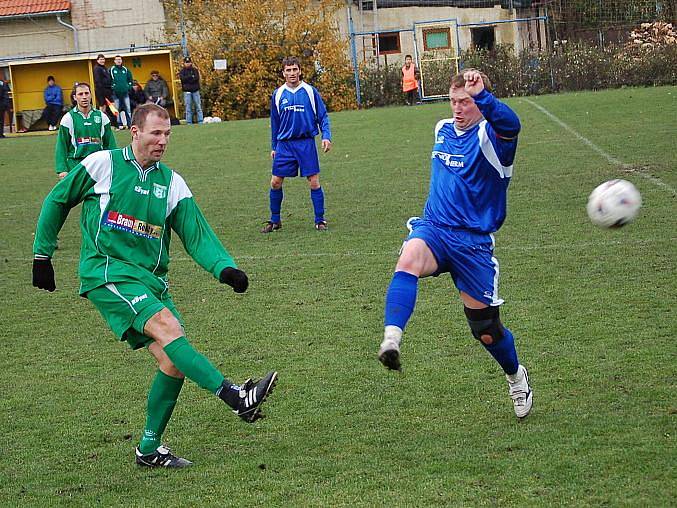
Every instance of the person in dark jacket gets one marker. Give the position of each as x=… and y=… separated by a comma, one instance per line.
x=5, y=104
x=190, y=84
x=137, y=96
x=103, y=84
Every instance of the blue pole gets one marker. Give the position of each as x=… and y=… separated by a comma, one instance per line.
x=353, y=58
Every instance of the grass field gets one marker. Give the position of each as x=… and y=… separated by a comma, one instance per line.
x=592, y=311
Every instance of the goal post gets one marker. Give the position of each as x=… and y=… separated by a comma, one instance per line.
x=436, y=46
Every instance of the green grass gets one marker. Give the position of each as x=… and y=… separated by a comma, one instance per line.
x=592, y=311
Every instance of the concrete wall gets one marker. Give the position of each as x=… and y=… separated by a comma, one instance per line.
x=101, y=24
x=517, y=34
x=34, y=36
x=104, y=24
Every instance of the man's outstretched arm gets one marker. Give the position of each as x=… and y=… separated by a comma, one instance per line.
x=65, y=195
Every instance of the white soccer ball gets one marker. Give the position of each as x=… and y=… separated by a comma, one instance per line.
x=614, y=204
x=207, y=119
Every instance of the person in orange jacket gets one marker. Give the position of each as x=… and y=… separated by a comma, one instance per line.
x=410, y=77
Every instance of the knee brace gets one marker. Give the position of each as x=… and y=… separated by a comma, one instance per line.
x=485, y=321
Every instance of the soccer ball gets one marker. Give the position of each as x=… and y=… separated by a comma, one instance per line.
x=614, y=204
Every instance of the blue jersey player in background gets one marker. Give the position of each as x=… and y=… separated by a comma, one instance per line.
x=471, y=166
x=296, y=112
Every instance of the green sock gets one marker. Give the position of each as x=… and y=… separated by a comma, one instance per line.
x=194, y=365
x=161, y=401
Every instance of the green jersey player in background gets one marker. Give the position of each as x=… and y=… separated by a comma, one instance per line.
x=83, y=131
x=130, y=203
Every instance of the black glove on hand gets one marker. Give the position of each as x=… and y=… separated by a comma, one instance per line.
x=43, y=274
x=235, y=278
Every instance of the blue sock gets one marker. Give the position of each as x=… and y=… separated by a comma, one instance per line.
x=275, y=204
x=317, y=197
x=400, y=299
x=504, y=352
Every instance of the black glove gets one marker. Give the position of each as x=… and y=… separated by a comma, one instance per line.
x=43, y=274
x=235, y=278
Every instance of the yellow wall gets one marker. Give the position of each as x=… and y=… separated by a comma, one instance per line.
x=29, y=79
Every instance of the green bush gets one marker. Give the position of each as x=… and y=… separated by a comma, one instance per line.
x=381, y=86
x=568, y=67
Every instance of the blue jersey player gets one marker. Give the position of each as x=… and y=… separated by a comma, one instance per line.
x=296, y=112
x=471, y=166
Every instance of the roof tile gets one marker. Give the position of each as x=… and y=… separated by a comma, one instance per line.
x=19, y=7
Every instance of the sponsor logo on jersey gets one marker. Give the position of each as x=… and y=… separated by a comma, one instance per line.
x=299, y=108
x=159, y=191
x=88, y=141
x=129, y=224
x=141, y=190
x=139, y=298
x=447, y=158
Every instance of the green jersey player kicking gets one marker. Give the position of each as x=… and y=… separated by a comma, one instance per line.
x=130, y=203
x=82, y=131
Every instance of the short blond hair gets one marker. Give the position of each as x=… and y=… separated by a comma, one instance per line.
x=142, y=112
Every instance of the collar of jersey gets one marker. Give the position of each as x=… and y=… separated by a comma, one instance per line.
x=77, y=110
x=294, y=90
x=128, y=155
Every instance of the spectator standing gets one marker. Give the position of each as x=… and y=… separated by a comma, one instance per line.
x=103, y=84
x=410, y=77
x=4, y=105
x=156, y=89
x=122, y=84
x=53, y=103
x=190, y=84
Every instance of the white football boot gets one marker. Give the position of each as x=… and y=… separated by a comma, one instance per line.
x=520, y=392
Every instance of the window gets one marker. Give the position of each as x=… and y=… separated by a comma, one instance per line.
x=483, y=38
x=436, y=38
x=389, y=43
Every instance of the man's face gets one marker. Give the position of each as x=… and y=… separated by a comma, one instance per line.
x=50, y=82
x=118, y=60
x=407, y=61
x=187, y=65
x=151, y=141
x=101, y=60
x=292, y=74
x=466, y=112
x=83, y=97
x=154, y=77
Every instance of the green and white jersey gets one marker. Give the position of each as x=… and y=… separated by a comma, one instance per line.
x=128, y=213
x=80, y=136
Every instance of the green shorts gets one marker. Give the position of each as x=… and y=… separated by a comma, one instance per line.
x=126, y=306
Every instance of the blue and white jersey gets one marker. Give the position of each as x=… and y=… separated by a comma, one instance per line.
x=296, y=113
x=471, y=170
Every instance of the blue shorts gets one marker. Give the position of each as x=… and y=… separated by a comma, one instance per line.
x=468, y=257
x=294, y=154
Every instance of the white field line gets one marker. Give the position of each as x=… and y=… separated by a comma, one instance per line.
x=357, y=254
x=613, y=160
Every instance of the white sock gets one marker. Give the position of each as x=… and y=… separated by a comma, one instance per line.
x=517, y=376
x=392, y=333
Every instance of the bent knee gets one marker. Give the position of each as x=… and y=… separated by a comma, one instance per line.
x=276, y=182
x=163, y=327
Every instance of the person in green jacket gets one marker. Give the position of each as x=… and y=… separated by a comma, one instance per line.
x=82, y=131
x=122, y=80
x=130, y=203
